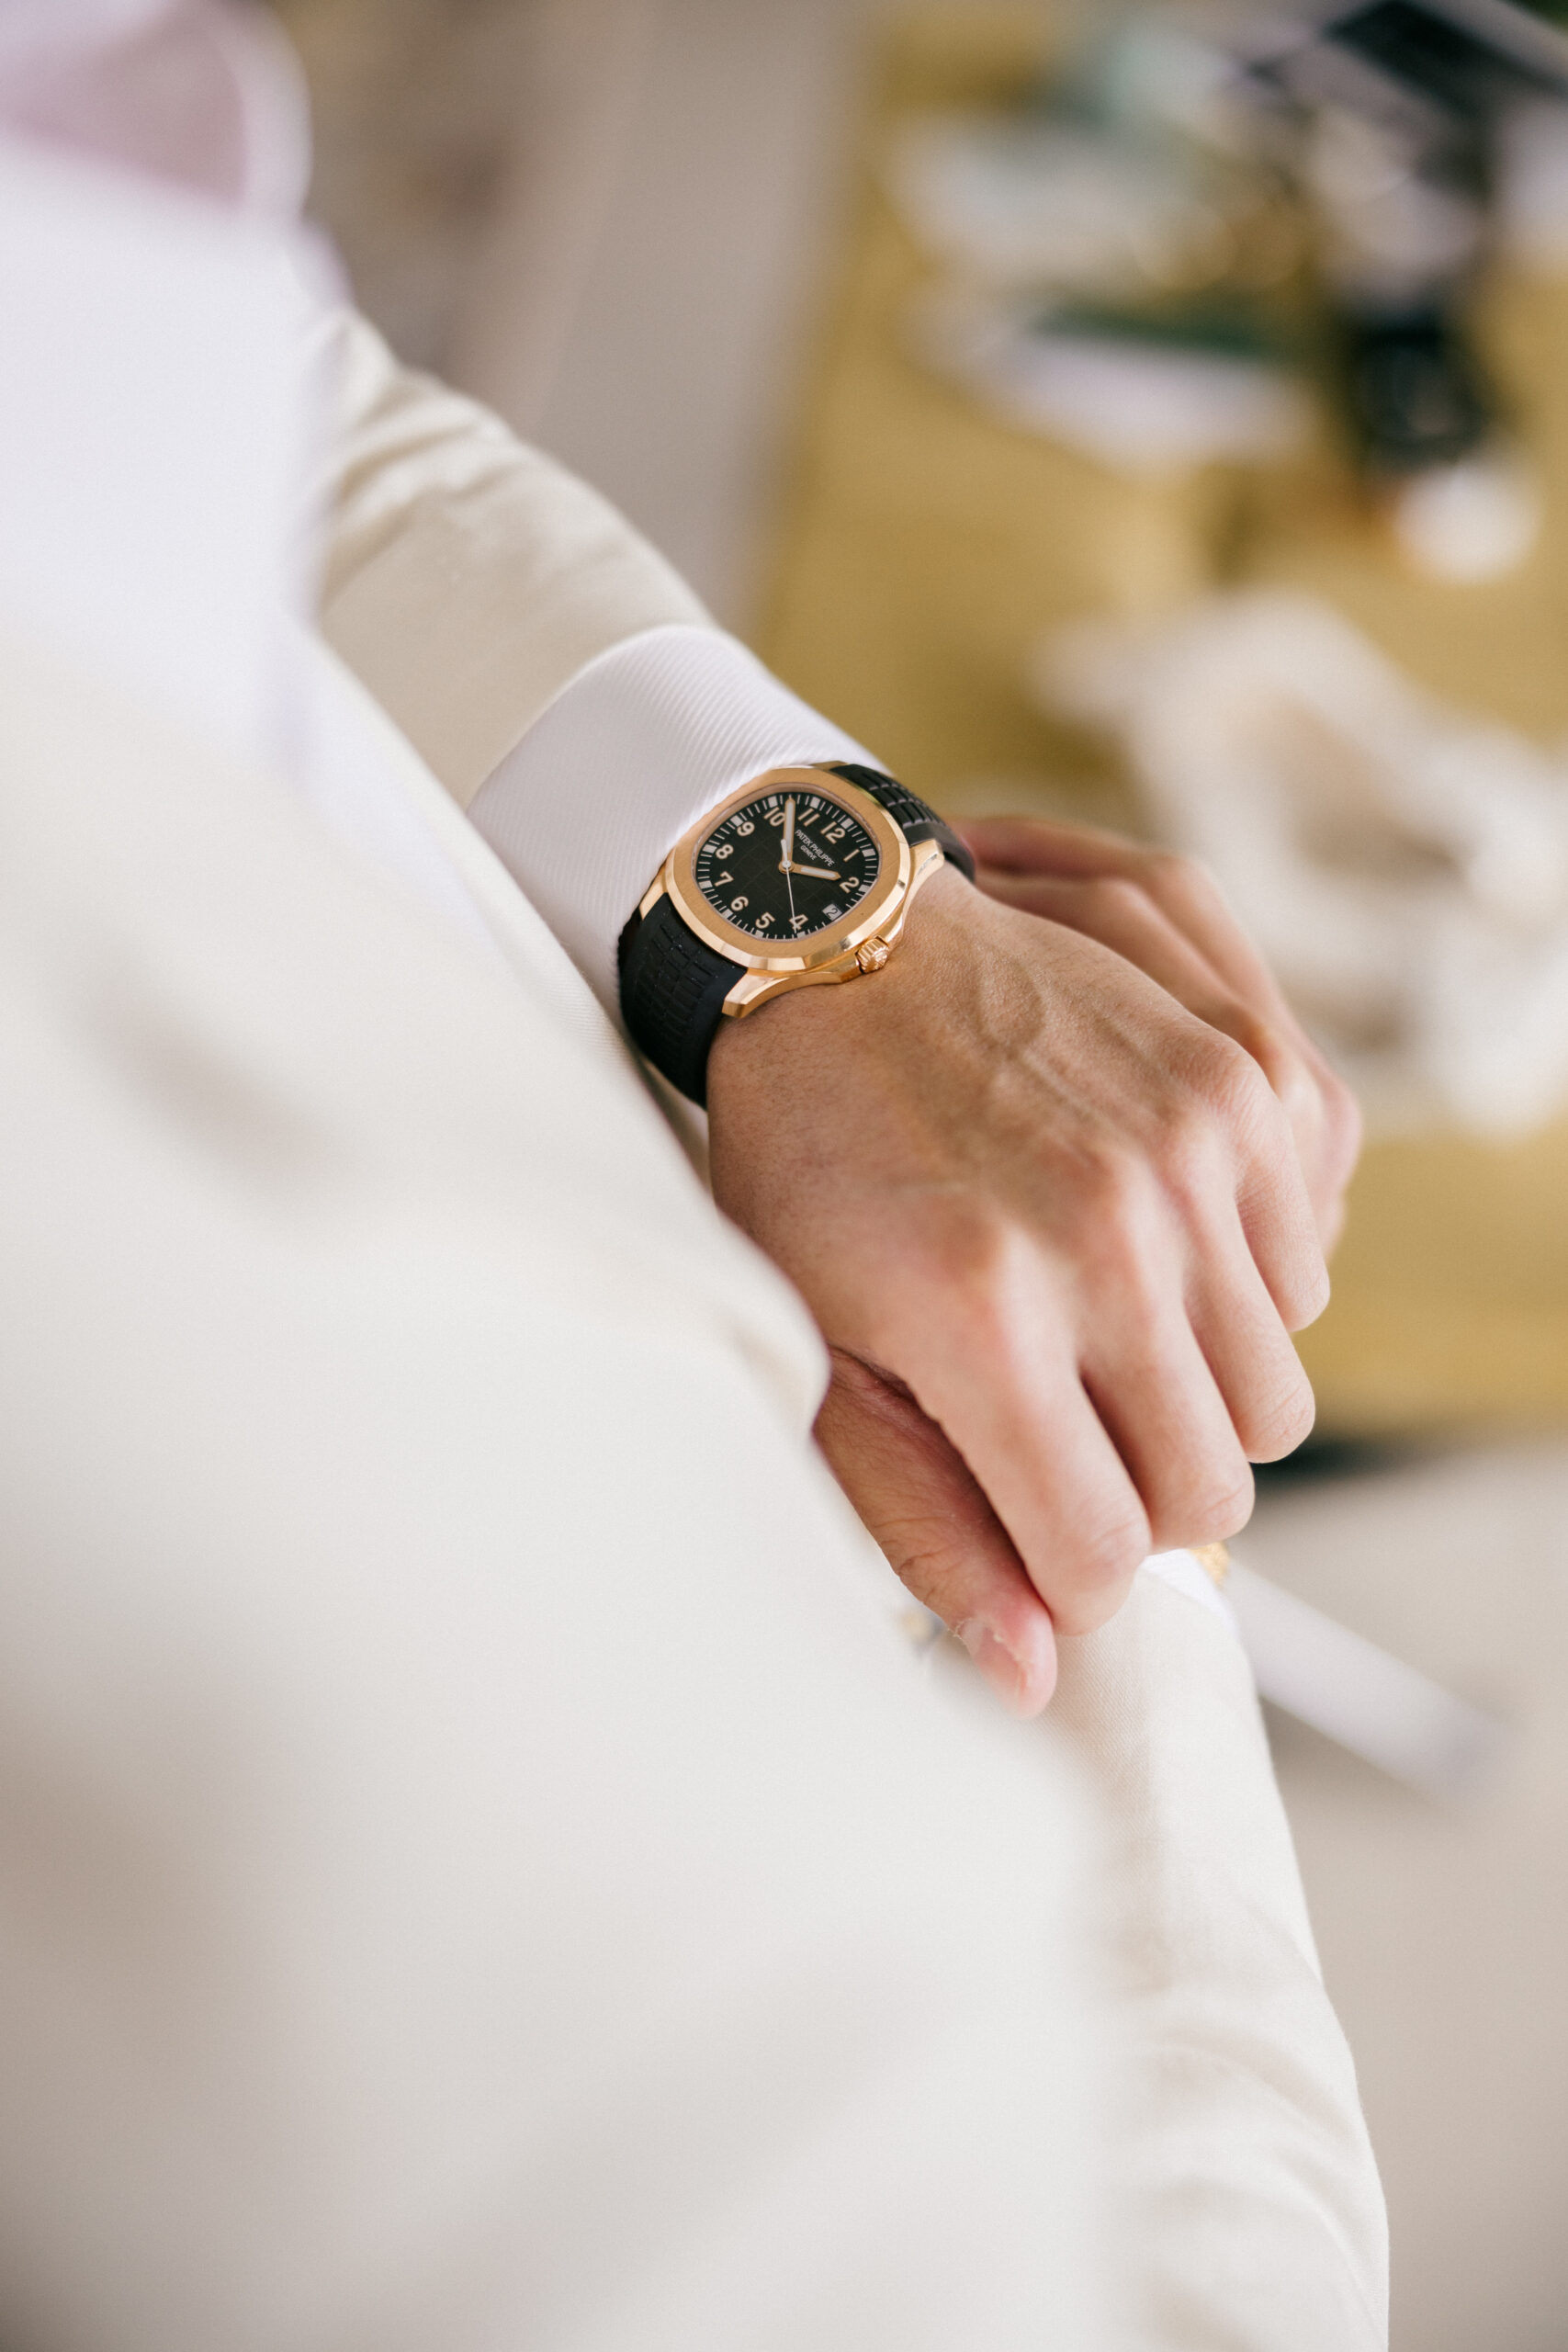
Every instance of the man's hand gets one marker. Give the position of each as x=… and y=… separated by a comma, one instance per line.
x=1166, y=915
x=1055, y=1227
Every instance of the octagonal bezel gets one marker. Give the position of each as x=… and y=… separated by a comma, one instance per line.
x=837, y=940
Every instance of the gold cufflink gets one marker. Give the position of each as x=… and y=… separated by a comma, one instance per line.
x=1214, y=1559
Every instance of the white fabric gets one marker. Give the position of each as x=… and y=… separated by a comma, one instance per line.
x=140, y=312
x=480, y=1867
x=203, y=324
x=473, y=1877
x=1238, y=2177
x=195, y=92
x=573, y=1935
x=1376, y=1705
x=640, y=744
x=467, y=578
x=1184, y=1573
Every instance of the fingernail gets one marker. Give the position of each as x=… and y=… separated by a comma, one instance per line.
x=996, y=1662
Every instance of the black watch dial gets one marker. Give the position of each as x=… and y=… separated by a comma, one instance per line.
x=786, y=864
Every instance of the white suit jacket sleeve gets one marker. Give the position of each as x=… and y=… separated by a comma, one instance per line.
x=477, y=589
x=467, y=578
x=481, y=1868
x=564, y=684
x=1251, y=2202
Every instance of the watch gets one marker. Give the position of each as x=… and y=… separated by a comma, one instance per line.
x=805, y=874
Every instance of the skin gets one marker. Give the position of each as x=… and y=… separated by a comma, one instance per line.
x=1057, y=1184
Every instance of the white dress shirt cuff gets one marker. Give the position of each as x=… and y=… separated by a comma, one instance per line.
x=636, y=747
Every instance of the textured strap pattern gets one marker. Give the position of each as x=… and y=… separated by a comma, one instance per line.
x=672, y=992
x=914, y=819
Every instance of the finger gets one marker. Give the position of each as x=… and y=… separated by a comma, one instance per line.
x=1121, y=916
x=1124, y=918
x=1236, y=1150
x=940, y=1537
x=1180, y=890
x=1187, y=892
x=1322, y=1109
x=1017, y=852
x=1183, y=888
x=985, y=1362
x=1277, y=1220
x=1236, y=1325
x=1047, y=845
x=1159, y=1402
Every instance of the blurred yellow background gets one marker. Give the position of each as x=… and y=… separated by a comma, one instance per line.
x=925, y=547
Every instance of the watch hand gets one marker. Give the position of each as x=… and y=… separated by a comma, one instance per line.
x=823, y=873
x=788, y=833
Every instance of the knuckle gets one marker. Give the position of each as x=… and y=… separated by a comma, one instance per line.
x=955, y=1236
x=1214, y=1510
x=1281, y=1420
x=1232, y=1078
x=1164, y=868
x=974, y=1265
x=1119, y=1219
x=1235, y=1091
x=1261, y=1042
x=973, y=1275
x=1107, y=1550
x=1189, y=1137
x=1117, y=898
x=1177, y=879
x=1195, y=1151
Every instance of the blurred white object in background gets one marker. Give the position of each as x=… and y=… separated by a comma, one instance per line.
x=1374, y=1704
x=1025, y=201
x=1384, y=225
x=1403, y=864
x=1470, y=521
x=1532, y=193
x=1141, y=401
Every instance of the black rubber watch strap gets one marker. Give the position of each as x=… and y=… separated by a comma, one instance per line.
x=914, y=819
x=672, y=991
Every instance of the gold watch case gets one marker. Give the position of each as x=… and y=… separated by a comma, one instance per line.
x=857, y=943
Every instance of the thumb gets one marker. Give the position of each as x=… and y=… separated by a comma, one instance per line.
x=921, y=1503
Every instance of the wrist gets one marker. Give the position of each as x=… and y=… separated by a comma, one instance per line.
x=797, y=1038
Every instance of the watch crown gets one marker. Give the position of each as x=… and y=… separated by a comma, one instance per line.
x=872, y=955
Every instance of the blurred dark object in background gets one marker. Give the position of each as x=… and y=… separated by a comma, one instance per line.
x=1413, y=390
